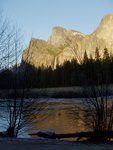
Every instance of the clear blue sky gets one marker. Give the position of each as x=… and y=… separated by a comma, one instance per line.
x=38, y=17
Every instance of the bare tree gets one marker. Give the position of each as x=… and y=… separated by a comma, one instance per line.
x=18, y=110
x=98, y=105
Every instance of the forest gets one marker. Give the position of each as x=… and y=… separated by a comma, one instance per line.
x=94, y=70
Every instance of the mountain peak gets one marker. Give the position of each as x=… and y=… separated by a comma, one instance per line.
x=105, y=28
x=66, y=44
x=61, y=36
x=108, y=16
x=58, y=29
x=108, y=20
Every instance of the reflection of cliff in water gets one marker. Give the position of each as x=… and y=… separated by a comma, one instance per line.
x=62, y=117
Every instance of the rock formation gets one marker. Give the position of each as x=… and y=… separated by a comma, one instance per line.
x=66, y=44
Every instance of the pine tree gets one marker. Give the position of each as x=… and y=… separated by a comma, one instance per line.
x=85, y=58
x=97, y=55
x=106, y=56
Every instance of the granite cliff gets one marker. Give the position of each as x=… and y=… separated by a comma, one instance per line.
x=66, y=44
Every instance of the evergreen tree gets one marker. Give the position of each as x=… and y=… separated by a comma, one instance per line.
x=85, y=58
x=97, y=55
x=106, y=56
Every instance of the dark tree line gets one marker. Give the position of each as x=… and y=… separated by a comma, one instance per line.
x=98, y=77
x=96, y=70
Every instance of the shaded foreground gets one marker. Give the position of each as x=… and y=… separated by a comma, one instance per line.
x=28, y=144
x=93, y=136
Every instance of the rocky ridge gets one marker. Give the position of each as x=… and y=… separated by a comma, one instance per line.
x=66, y=44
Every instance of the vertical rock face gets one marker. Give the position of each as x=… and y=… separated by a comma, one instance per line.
x=61, y=36
x=66, y=44
x=38, y=54
x=105, y=29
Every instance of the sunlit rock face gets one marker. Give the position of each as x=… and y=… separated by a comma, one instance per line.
x=105, y=29
x=61, y=36
x=65, y=45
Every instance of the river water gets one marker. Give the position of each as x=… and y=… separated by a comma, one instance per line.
x=58, y=115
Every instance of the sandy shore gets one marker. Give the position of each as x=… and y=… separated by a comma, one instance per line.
x=32, y=144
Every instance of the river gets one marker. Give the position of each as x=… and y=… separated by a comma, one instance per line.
x=61, y=116
x=58, y=115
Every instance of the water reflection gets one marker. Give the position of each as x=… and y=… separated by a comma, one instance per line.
x=60, y=115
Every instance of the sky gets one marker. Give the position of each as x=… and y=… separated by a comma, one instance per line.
x=38, y=17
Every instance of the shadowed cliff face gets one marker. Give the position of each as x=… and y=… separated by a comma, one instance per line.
x=66, y=44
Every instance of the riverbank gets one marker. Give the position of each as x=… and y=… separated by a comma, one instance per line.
x=55, y=92
x=58, y=92
x=28, y=144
